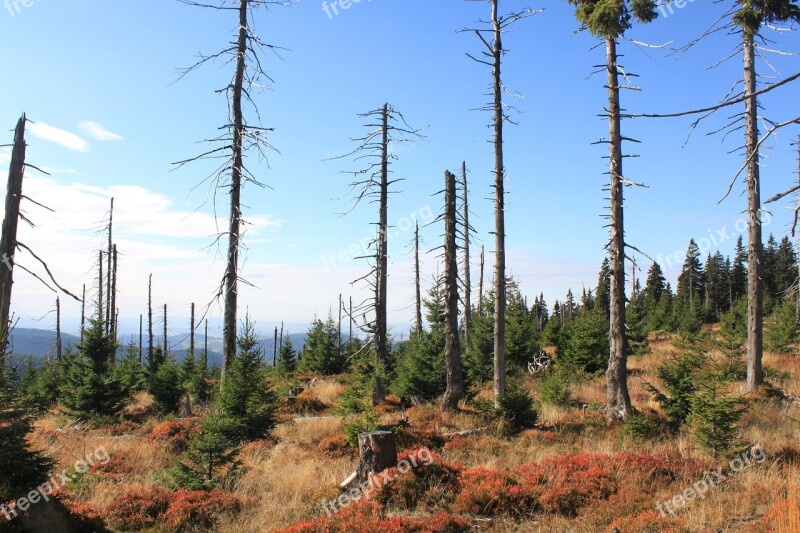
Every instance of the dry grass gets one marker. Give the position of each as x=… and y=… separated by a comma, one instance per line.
x=328, y=391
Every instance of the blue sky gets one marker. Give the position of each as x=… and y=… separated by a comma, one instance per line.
x=106, y=72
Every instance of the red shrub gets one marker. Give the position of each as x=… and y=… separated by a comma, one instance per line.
x=407, y=486
x=414, y=438
x=193, y=510
x=335, y=447
x=649, y=522
x=494, y=492
x=174, y=433
x=82, y=517
x=140, y=507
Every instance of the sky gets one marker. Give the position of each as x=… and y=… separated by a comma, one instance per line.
x=110, y=114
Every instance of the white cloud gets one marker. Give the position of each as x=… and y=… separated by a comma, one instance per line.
x=5, y=155
x=61, y=137
x=98, y=131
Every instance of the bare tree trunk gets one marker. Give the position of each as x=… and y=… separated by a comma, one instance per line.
x=205, y=348
x=341, y=306
x=109, y=258
x=418, y=289
x=797, y=283
x=280, y=337
x=275, y=348
x=467, y=274
x=58, y=329
x=499, y=216
x=755, y=309
x=350, y=318
x=452, y=350
x=191, y=334
x=100, y=281
x=619, y=401
x=113, y=295
x=83, y=312
x=166, y=338
x=141, y=320
x=480, y=281
x=151, y=362
x=232, y=272
x=381, y=354
x=8, y=243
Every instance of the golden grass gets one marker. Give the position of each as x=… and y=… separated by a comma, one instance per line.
x=328, y=391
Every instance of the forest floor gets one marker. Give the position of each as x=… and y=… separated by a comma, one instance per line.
x=573, y=472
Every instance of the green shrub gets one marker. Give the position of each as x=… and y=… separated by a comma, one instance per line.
x=555, y=390
x=679, y=377
x=641, y=427
x=715, y=415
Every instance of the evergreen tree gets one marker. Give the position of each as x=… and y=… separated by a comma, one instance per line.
x=212, y=452
x=679, y=378
x=287, y=356
x=130, y=372
x=192, y=378
x=22, y=467
x=584, y=343
x=715, y=277
x=321, y=352
x=90, y=387
x=40, y=385
x=246, y=395
x=522, y=330
x=654, y=291
x=603, y=291
x=165, y=385
x=782, y=332
x=715, y=415
x=690, y=280
x=739, y=272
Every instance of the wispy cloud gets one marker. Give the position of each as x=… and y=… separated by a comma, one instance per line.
x=61, y=137
x=5, y=155
x=98, y=131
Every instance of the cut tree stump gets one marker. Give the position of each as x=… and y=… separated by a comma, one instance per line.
x=378, y=452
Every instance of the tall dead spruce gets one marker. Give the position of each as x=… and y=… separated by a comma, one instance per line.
x=452, y=348
x=372, y=184
x=491, y=36
x=9, y=244
x=239, y=138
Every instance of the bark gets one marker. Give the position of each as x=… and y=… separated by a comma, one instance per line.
x=112, y=296
x=452, y=350
x=83, y=312
x=480, y=281
x=797, y=283
x=341, y=306
x=417, y=287
x=467, y=275
x=619, y=401
x=378, y=451
x=100, y=282
x=234, y=230
x=381, y=354
x=275, y=348
x=499, y=216
x=58, y=329
x=151, y=362
x=166, y=338
x=755, y=310
x=109, y=258
x=191, y=334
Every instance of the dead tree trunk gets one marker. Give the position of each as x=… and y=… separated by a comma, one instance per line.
x=467, y=274
x=83, y=312
x=382, y=261
x=205, y=348
x=8, y=243
x=113, y=295
x=417, y=287
x=797, y=283
x=100, y=302
x=275, y=348
x=499, y=214
x=109, y=258
x=232, y=272
x=151, y=361
x=755, y=309
x=378, y=451
x=480, y=281
x=452, y=350
x=619, y=401
x=341, y=306
x=166, y=338
x=191, y=334
x=58, y=329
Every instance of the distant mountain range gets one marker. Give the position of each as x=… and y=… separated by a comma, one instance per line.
x=41, y=344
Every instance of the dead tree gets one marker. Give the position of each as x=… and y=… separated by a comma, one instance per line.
x=466, y=242
x=109, y=259
x=151, y=361
x=455, y=385
x=747, y=19
x=205, y=348
x=341, y=306
x=191, y=334
x=493, y=58
x=100, y=281
x=372, y=183
x=166, y=338
x=417, y=287
x=9, y=244
x=83, y=312
x=58, y=329
x=239, y=138
x=275, y=348
x=113, y=294
x=480, y=281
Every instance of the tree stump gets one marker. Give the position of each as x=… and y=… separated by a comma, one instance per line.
x=378, y=452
